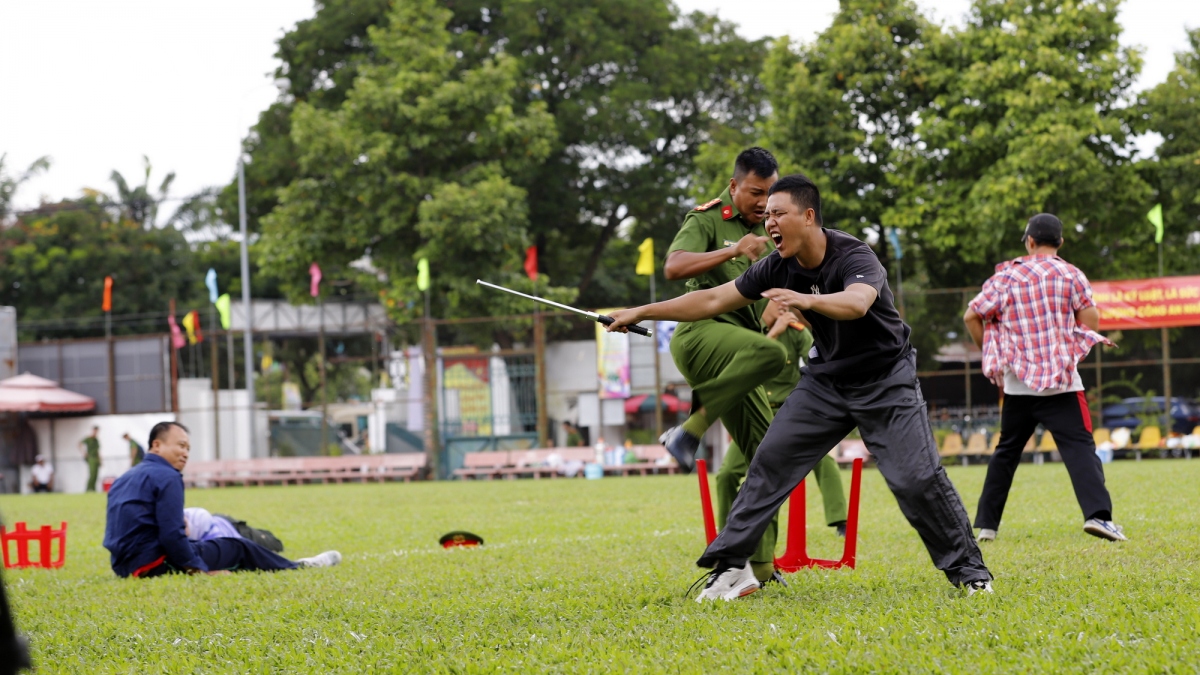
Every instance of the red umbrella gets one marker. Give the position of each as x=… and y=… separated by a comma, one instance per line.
x=645, y=403
x=30, y=393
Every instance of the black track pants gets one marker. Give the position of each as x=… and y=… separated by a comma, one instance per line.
x=1068, y=420
x=890, y=413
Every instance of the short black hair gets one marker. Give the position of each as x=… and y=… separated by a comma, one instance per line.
x=161, y=428
x=803, y=191
x=756, y=160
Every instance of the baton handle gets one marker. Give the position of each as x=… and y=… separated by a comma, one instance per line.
x=606, y=320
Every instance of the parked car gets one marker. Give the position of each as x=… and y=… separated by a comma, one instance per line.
x=1130, y=412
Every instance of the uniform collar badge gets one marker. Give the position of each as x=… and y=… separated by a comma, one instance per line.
x=727, y=212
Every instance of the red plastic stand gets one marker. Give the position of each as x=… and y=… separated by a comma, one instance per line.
x=44, y=536
x=795, y=556
x=710, y=525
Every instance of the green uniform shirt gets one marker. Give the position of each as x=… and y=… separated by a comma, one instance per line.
x=711, y=227
x=93, y=447
x=797, y=343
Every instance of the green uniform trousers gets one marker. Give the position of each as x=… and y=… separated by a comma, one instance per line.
x=726, y=365
x=729, y=479
x=93, y=473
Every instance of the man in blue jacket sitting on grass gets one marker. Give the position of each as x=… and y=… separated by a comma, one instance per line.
x=145, y=528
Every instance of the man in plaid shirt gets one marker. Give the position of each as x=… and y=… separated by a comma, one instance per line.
x=1035, y=320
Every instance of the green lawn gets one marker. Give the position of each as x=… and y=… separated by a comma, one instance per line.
x=589, y=576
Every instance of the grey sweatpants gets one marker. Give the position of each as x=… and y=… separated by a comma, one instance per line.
x=889, y=412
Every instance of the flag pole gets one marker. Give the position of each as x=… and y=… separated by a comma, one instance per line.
x=658, y=392
x=248, y=340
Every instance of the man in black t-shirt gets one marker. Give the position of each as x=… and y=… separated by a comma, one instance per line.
x=861, y=373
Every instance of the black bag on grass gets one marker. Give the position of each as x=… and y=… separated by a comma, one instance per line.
x=263, y=538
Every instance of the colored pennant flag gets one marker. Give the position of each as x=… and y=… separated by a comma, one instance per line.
x=106, y=303
x=531, y=262
x=645, y=263
x=223, y=310
x=1155, y=216
x=893, y=238
x=210, y=280
x=314, y=273
x=423, y=274
x=191, y=324
x=177, y=339
x=266, y=363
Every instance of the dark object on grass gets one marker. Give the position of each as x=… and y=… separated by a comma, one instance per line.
x=460, y=538
x=14, y=649
x=261, y=537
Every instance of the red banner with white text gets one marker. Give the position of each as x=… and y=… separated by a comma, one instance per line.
x=1148, y=303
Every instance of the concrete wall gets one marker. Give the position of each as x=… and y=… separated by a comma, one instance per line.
x=196, y=413
x=58, y=439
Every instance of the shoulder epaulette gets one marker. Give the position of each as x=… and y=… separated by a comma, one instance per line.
x=708, y=205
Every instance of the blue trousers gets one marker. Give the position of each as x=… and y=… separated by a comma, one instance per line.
x=232, y=554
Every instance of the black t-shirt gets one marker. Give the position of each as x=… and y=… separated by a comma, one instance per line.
x=845, y=348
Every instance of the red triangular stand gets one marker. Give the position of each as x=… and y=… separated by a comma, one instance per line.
x=795, y=557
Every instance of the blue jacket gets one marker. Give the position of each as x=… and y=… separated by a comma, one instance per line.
x=145, y=519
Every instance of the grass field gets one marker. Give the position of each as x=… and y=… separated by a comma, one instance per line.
x=589, y=576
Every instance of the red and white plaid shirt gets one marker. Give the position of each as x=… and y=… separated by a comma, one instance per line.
x=1028, y=308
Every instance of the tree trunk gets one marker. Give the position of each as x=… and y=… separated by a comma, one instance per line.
x=606, y=233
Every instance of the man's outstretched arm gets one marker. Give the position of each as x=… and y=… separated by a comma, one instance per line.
x=846, y=305
x=692, y=306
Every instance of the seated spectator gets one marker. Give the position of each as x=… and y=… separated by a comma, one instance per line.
x=42, y=475
x=145, y=531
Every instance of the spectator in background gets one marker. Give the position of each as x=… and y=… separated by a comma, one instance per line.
x=136, y=451
x=90, y=446
x=42, y=475
x=574, y=440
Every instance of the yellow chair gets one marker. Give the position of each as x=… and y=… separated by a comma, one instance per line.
x=1100, y=435
x=1047, y=443
x=977, y=444
x=1150, y=439
x=952, y=446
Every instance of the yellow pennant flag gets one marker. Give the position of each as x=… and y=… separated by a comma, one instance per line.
x=423, y=274
x=645, y=263
x=224, y=311
x=1155, y=217
x=189, y=325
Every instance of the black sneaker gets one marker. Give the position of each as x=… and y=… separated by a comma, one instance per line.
x=682, y=447
x=841, y=529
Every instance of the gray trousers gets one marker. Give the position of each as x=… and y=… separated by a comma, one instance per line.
x=889, y=412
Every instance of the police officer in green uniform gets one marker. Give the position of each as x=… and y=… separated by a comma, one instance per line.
x=91, y=452
x=797, y=340
x=726, y=359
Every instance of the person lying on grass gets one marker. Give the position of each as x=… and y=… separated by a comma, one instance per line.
x=202, y=525
x=145, y=529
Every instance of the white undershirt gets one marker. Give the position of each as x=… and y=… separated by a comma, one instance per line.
x=1013, y=386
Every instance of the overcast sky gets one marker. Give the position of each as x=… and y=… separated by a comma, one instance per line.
x=96, y=84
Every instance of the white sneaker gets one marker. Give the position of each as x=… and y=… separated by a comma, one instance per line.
x=978, y=586
x=1105, y=529
x=326, y=559
x=729, y=583
x=986, y=535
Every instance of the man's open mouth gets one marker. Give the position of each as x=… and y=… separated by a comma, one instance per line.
x=777, y=238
